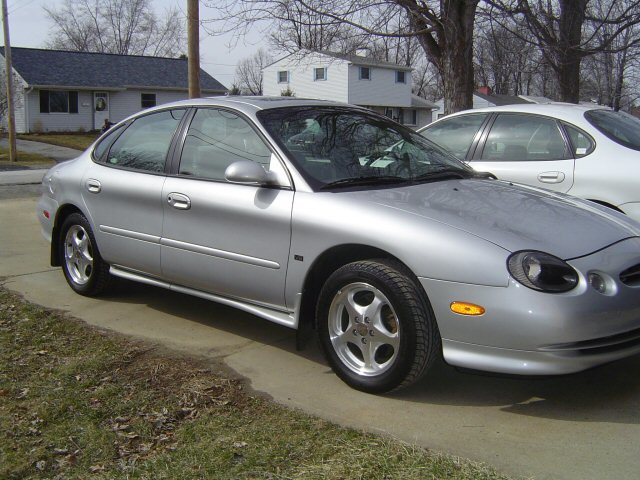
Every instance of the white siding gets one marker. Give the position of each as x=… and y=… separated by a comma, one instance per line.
x=128, y=102
x=425, y=117
x=381, y=90
x=121, y=105
x=62, y=122
x=301, y=77
x=18, y=99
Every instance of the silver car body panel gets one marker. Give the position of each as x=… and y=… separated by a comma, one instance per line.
x=253, y=248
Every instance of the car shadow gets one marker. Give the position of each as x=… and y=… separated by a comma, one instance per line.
x=609, y=393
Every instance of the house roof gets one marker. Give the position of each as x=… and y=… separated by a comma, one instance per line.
x=59, y=68
x=354, y=59
x=499, y=100
x=419, y=102
x=364, y=61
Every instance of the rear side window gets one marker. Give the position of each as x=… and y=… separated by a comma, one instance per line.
x=145, y=143
x=99, y=153
x=456, y=134
x=620, y=127
x=519, y=137
x=581, y=143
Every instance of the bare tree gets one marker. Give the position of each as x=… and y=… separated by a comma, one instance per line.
x=443, y=29
x=567, y=31
x=249, y=72
x=127, y=27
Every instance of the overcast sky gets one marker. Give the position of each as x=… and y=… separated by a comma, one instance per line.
x=29, y=27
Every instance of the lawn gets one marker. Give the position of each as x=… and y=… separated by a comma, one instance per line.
x=25, y=159
x=78, y=402
x=79, y=141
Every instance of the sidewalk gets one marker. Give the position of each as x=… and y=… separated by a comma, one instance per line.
x=22, y=175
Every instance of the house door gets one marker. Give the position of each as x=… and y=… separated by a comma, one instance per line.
x=100, y=109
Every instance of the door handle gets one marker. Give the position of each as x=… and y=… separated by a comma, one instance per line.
x=179, y=201
x=93, y=185
x=551, y=177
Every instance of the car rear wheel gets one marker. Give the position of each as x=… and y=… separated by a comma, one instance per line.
x=83, y=267
x=376, y=326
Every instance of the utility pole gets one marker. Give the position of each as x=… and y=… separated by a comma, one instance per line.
x=193, y=39
x=11, y=120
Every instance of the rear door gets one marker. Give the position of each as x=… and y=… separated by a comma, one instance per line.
x=219, y=237
x=529, y=149
x=122, y=191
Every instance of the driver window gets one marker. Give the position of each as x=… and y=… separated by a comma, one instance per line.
x=215, y=140
x=517, y=137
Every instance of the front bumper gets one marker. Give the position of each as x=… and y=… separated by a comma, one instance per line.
x=46, y=206
x=528, y=332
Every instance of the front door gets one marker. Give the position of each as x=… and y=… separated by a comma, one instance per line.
x=100, y=109
x=224, y=238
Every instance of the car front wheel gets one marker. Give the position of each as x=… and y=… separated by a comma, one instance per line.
x=376, y=326
x=83, y=267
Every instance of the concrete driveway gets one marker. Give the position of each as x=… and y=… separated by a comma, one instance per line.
x=585, y=426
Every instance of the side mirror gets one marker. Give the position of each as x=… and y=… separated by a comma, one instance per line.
x=248, y=172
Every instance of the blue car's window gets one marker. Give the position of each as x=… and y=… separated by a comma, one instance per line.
x=456, y=134
x=336, y=144
x=620, y=127
x=145, y=143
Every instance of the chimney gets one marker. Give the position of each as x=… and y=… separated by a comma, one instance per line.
x=484, y=90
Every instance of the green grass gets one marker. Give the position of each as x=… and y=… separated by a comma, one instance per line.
x=79, y=141
x=25, y=159
x=77, y=402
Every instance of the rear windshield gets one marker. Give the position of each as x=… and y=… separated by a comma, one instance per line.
x=620, y=127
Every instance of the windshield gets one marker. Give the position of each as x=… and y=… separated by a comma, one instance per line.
x=620, y=127
x=339, y=146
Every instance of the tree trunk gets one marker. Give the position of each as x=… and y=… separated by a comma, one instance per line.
x=568, y=56
x=452, y=54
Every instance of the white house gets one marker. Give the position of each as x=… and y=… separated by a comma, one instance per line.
x=70, y=91
x=382, y=86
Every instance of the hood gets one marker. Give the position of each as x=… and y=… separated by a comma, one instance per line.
x=514, y=217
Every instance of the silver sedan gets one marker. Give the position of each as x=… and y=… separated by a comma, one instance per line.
x=329, y=218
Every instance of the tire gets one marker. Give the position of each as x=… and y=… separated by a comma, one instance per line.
x=376, y=326
x=83, y=267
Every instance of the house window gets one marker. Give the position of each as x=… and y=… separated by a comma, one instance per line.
x=147, y=100
x=410, y=117
x=58, y=101
x=401, y=76
x=320, y=73
x=388, y=112
x=283, y=76
x=365, y=73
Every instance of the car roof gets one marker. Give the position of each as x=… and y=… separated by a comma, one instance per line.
x=254, y=102
x=564, y=111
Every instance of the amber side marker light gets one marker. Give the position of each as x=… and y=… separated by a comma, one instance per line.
x=464, y=308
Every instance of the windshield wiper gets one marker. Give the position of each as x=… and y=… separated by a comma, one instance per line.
x=365, y=180
x=444, y=174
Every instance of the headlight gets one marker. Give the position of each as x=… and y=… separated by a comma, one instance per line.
x=543, y=272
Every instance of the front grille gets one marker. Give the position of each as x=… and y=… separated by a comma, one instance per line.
x=631, y=276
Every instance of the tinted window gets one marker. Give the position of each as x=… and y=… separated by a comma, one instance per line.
x=215, y=140
x=581, y=142
x=620, y=127
x=515, y=137
x=99, y=153
x=333, y=144
x=456, y=134
x=145, y=143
